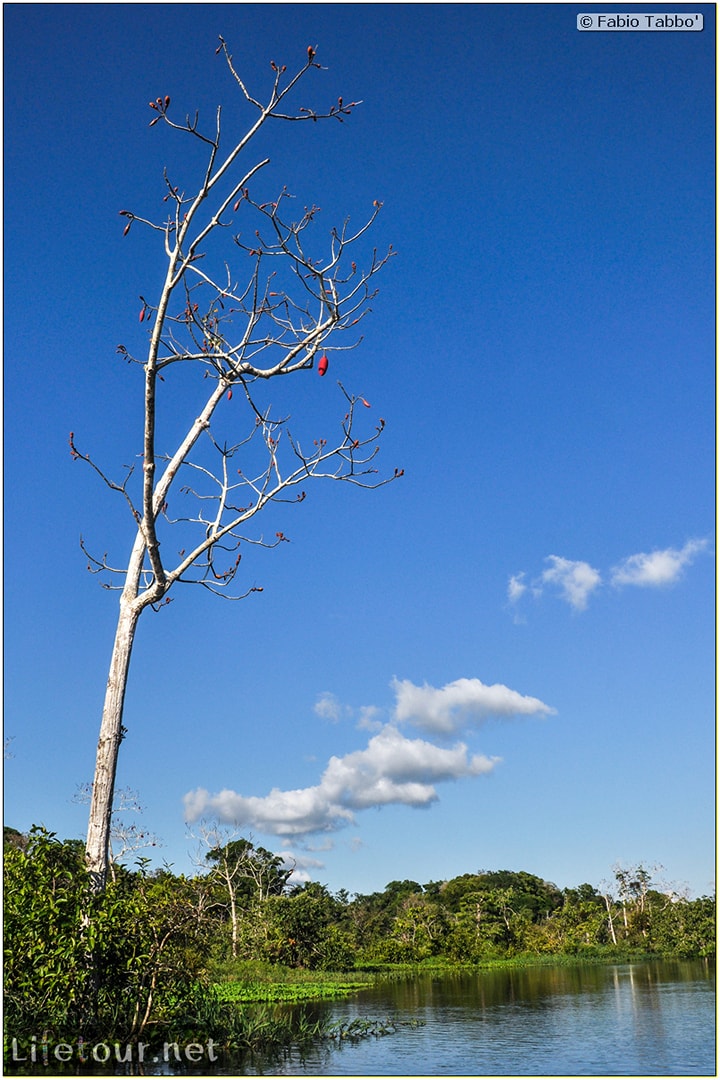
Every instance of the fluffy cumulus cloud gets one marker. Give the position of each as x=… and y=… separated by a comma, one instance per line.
x=391, y=769
x=657, y=568
x=450, y=708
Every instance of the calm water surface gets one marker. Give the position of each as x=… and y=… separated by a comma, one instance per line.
x=650, y=1019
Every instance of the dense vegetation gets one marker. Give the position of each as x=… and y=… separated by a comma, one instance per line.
x=160, y=955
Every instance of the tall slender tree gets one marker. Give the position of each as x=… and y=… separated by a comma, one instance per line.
x=237, y=329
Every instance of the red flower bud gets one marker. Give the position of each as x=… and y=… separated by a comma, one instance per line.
x=365, y=403
x=229, y=395
x=167, y=102
x=322, y=364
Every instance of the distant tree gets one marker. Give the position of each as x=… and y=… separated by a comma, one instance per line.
x=237, y=322
x=14, y=838
x=304, y=931
x=395, y=893
x=579, y=926
x=247, y=875
x=418, y=929
x=633, y=885
x=454, y=891
x=682, y=927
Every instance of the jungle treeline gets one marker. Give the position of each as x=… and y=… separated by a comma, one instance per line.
x=146, y=952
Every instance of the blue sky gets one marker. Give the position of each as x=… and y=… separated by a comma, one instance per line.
x=506, y=659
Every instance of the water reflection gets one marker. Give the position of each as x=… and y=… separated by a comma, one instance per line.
x=647, y=1019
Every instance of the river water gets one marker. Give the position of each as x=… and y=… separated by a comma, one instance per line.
x=643, y=1019
x=649, y=1019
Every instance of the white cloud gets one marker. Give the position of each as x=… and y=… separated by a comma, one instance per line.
x=448, y=709
x=396, y=769
x=576, y=580
x=657, y=568
x=195, y=803
x=516, y=587
x=327, y=707
x=369, y=718
x=391, y=769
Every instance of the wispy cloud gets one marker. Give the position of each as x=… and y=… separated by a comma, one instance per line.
x=657, y=568
x=369, y=718
x=516, y=587
x=450, y=708
x=328, y=707
x=391, y=769
x=575, y=580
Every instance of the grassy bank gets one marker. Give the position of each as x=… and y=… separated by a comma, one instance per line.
x=245, y=982
x=248, y=982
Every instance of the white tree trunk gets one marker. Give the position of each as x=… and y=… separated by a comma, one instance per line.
x=98, y=837
x=611, y=925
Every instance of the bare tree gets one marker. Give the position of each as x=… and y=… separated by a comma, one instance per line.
x=243, y=869
x=126, y=838
x=633, y=884
x=609, y=904
x=237, y=336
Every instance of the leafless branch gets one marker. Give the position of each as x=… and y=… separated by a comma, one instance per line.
x=279, y=305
